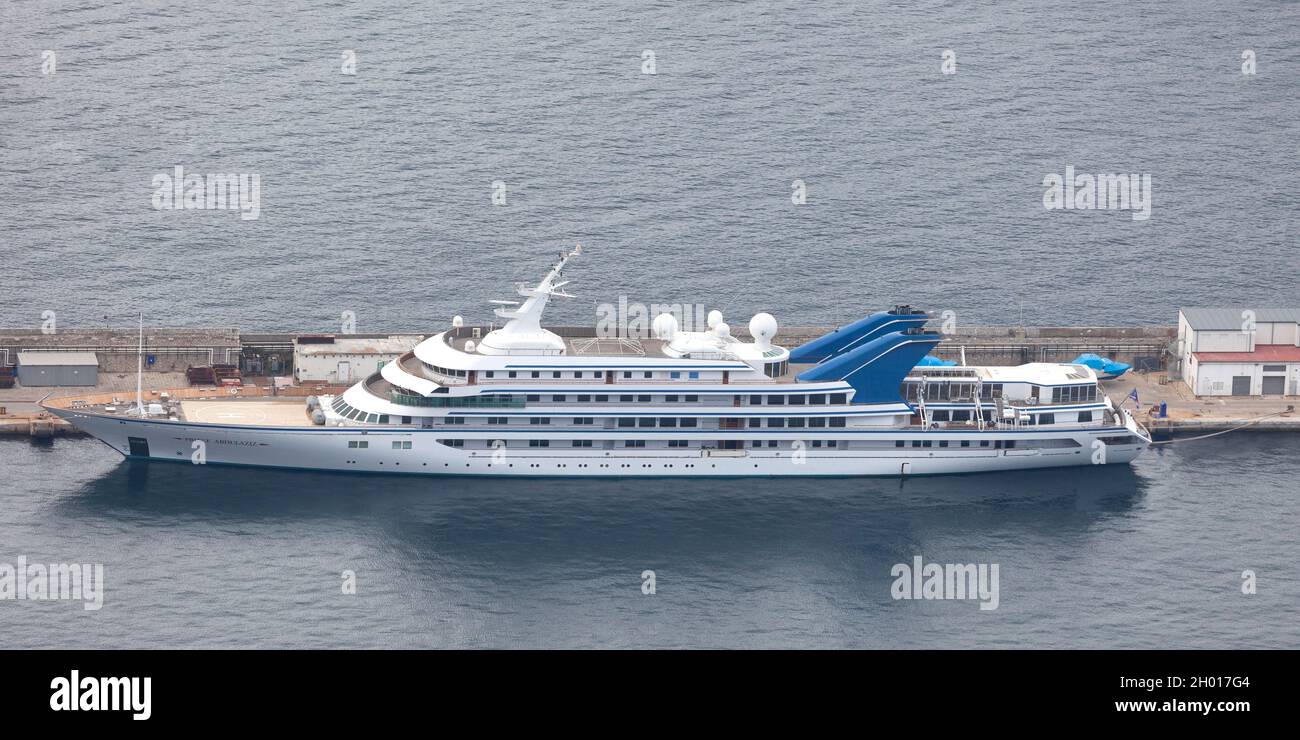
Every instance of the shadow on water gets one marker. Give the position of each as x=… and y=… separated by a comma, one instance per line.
x=547, y=518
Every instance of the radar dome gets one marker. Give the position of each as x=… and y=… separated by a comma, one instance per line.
x=715, y=318
x=763, y=328
x=665, y=327
x=723, y=329
x=457, y=321
x=469, y=345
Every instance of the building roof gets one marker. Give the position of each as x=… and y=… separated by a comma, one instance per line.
x=344, y=345
x=1262, y=353
x=1231, y=319
x=58, y=358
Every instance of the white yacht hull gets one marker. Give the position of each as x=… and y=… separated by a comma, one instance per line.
x=324, y=448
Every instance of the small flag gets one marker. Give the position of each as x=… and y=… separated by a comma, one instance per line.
x=1133, y=394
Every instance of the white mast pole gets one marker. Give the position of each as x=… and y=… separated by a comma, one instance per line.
x=139, y=371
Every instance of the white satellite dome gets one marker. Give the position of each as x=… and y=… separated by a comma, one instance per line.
x=457, y=321
x=723, y=330
x=715, y=318
x=469, y=345
x=665, y=327
x=763, y=328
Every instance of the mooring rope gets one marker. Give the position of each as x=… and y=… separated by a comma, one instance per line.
x=1256, y=420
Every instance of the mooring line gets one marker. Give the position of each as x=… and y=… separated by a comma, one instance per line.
x=1256, y=420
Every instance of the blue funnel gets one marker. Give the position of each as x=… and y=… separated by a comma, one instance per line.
x=845, y=338
x=876, y=369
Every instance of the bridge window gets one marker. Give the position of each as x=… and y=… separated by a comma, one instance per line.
x=837, y=421
x=839, y=398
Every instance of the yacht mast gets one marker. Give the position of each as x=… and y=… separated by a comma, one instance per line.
x=139, y=371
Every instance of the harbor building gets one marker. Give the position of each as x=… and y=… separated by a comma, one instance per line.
x=344, y=359
x=40, y=369
x=1239, y=351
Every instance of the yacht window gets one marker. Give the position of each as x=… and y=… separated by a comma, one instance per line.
x=584, y=399
x=643, y=399
x=755, y=400
x=555, y=374
x=674, y=375
x=837, y=421
x=646, y=421
x=534, y=397
x=602, y=398
x=776, y=400
x=796, y=422
x=559, y=398
x=839, y=398
x=671, y=399
x=625, y=399
x=577, y=374
x=691, y=399
x=694, y=375
x=626, y=422
x=798, y=400
x=539, y=420
x=755, y=422
x=667, y=422
x=627, y=373
x=649, y=374
x=1085, y=416
x=817, y=399
x=776, y=422
x=689, y=422
x=818, y=422
x=513, y=374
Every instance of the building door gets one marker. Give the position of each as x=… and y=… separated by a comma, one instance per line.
x=345, y=372
x=1241, y=385
x=1274, y=385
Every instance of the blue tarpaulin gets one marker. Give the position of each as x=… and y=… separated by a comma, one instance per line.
x=1106, y=369
x=932, y=361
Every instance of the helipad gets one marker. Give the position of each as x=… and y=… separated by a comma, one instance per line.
x=268, y=413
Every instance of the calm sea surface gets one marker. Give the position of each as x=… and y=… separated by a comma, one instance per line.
x=376, y=198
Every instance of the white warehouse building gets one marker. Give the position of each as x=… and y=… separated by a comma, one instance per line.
x=1240, y=351
x=344, y=359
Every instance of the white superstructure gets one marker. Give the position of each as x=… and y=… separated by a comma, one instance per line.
x=522, y=400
